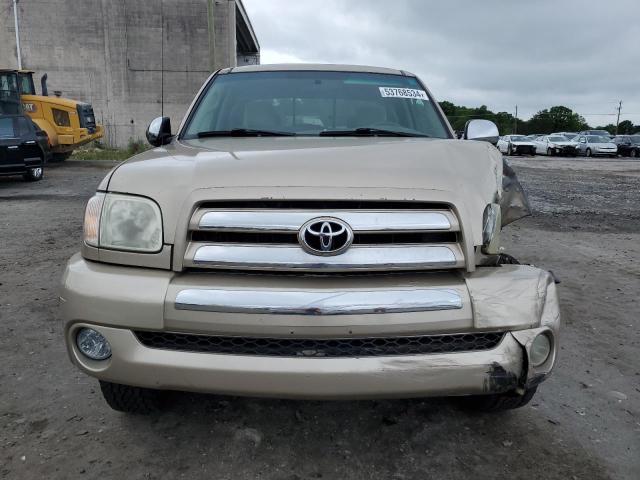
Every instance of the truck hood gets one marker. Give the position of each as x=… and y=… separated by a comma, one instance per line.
x=465, y=174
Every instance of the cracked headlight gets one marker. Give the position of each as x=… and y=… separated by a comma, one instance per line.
x=491, y=225
x=123, y=222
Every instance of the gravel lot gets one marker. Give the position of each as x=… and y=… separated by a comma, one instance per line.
x=584, y=422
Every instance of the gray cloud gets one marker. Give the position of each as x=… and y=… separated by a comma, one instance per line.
x=584, y=55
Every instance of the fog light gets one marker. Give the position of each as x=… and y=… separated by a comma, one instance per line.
x=540, y=350
x=93, y=344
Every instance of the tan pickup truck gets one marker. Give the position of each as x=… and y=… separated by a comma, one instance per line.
x=310, y=231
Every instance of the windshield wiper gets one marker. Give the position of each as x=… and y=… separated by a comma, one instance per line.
x=369, y=132
x=244, y=132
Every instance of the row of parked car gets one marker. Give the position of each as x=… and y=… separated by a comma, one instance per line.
x=570, y=144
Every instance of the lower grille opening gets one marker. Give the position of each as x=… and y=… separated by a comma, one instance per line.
x=321, y=348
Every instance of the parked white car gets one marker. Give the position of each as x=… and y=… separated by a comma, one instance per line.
x=567, y=135
x=591, y=145
x=516, y=145
x=555, y=145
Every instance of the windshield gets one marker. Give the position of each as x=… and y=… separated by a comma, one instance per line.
x=518, y=138
x=6, y=128
x=598, y=139
x=635, y=138
x=557, y=139
x=310, y=103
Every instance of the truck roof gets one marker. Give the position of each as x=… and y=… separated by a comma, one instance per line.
x=321, y=67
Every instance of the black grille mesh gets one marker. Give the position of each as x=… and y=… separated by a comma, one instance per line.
x=342, y=347
x=381, y=238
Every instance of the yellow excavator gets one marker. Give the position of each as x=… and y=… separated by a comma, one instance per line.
x=68, y=123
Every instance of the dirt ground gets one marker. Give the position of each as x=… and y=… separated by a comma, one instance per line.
x=584, y=422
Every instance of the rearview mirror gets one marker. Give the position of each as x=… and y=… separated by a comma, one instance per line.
x=159, y=132
x=482, y=130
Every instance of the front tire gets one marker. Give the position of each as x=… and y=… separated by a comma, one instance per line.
x=549, y=152
x=34, y=174
x=127, y=399
x=634, y=153
x=509, y=150
x=499, y=402
x=589, y=154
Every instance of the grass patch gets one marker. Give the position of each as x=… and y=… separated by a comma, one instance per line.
x=97, y=151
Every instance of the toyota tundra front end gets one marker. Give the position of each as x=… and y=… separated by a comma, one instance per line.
x=310, y=232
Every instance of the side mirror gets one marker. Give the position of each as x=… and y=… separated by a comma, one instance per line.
x=482, y=130
x=159, y=132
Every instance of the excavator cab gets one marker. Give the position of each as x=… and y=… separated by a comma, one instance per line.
x=68, y=123
x=10, y=91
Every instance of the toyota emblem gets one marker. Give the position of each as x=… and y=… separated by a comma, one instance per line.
x=325, y=236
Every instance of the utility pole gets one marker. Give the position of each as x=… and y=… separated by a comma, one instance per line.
x=618, y=121
x=162, y=58
x=15, y=18
x=212, y=34
x=515, y=121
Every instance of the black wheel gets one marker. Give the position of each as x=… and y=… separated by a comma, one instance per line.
x=509, y=150
x=60, y=157
x=549, y=152
x=634, y=153
x=136, y=400
x=588, y=152
x=34, y=174
x=499, y=402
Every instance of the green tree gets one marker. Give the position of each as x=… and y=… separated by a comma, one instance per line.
x=458, y=117
x=557, y=119
x=626, y=127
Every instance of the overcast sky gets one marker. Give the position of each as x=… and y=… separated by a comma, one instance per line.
x=536, y=54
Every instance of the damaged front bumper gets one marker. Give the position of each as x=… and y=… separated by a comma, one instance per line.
x=519, y=302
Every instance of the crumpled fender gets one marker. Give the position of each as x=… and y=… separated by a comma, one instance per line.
x=514, y=297
x=522, y=299
x=514, y=203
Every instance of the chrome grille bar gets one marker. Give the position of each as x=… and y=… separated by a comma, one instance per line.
x=292, y=220
x=293, y=258
x=321, y=302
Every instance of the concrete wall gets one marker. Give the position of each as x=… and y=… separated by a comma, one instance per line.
x=110, y=53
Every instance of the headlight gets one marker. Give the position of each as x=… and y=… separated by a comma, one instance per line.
x=491, y=223
x=123, y=222
x=540, y=350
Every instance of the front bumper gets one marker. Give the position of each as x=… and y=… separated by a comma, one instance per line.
x=7, y=169
x=564, y=150
x=523, y=149
x=520, y=301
